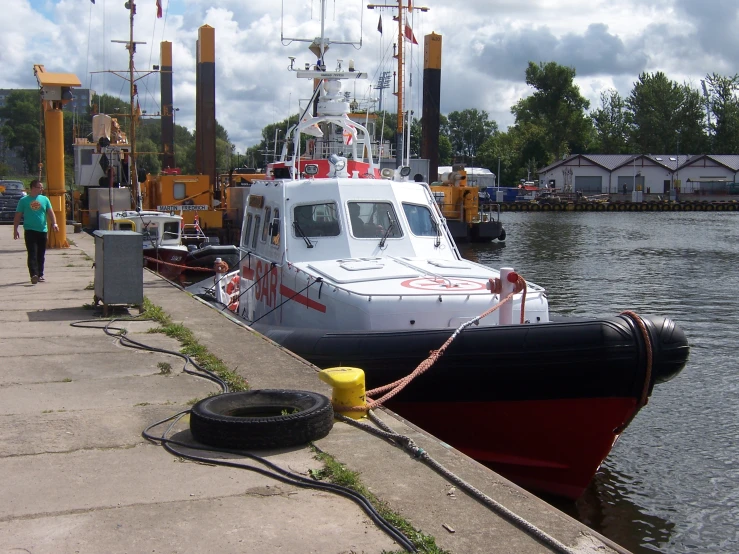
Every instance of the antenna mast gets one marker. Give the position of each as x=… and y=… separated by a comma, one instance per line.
x=402, y=26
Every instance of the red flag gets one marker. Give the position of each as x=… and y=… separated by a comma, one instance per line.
x=159, y=8
x=379, y=25
x=409, y=34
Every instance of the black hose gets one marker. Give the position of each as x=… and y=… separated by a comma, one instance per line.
x=130, y=343
x=277, y=473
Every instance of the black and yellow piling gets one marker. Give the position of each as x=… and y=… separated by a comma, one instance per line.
x=168, y=160
x=431, y=102
x=205, y=100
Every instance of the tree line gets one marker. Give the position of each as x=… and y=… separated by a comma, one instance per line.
x=659, y=116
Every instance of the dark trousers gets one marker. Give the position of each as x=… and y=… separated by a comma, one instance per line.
x=36, y=247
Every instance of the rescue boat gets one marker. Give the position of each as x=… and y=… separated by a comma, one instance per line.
x=346, y=265
x=364, y=273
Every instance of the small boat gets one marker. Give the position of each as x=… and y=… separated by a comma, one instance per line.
x=162, y=246
x=347, y=266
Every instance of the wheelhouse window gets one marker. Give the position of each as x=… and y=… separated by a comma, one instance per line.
x=267, y=221
x=316, y=220
x=171, y=230
x=374, y=220
x=420, y=220
x=257, y=221
x=275, y=230
x=247, y=231
x=179, y=191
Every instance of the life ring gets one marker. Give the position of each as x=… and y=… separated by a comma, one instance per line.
x=261, y=419
x=234, y=306
x=233, y=284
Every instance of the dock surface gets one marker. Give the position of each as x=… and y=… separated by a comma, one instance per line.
x=79, y=478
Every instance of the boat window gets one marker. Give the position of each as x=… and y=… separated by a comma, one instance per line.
x=373, y=219
x=171, y=230
x=85, y=157
x=125, y=226
x=275, y=231
x=247, y=231
x=267, y=221
x=179, y=191
x=257, y=220
x=420, y=220
x=150, y=232
x=316, y=220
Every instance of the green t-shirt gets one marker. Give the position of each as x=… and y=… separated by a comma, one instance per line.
x=34, y=212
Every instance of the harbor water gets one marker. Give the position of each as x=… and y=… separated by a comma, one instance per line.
x=671, y=483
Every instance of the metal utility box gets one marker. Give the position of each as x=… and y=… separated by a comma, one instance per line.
x=119, y=269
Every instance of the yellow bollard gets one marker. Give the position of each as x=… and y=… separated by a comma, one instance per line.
x=348, y=389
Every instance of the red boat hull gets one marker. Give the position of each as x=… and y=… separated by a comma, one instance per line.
x=172, y=262
x=548, y=446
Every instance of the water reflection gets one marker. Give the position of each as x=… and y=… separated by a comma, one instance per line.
x=671, y=483
x=608, y=507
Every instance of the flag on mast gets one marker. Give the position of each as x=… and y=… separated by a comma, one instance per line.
x=159, y=9
x=409, y=34
x=379, y=25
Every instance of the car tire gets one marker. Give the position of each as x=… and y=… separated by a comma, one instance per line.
x=261, y=419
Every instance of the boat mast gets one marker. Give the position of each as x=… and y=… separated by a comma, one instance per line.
x=133, y=113
x=401, y=63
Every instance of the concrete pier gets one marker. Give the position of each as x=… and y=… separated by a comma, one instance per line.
x=78, y=477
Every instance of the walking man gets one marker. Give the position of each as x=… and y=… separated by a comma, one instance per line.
x=34, y=208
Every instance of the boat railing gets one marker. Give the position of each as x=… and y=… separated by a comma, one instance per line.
x=488, y=212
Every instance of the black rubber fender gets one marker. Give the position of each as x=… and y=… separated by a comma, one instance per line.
x=266, y=418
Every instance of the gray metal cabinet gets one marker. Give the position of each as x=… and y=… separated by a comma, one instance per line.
x=119, y=269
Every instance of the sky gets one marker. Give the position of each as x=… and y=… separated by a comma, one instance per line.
x=486, y=47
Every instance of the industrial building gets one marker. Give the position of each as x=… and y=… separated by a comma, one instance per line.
x=650, y=173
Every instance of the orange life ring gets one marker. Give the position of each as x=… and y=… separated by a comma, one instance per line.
x=232, y=285
x=234, y=306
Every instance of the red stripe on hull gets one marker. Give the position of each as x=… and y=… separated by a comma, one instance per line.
x=301, y=299
x=551, y=446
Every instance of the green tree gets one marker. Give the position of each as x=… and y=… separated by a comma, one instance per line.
x=724, y=106
x=467, y=131
x=611, y=128
x=665, y=117
x=20, y=128
x=522, y=149
x=557, y=107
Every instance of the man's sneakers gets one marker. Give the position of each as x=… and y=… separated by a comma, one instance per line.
x=34, y=279
x=41, y=278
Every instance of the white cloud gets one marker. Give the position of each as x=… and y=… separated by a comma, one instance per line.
x=486, y=48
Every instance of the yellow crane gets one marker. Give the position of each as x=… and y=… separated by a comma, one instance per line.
x=56, y=90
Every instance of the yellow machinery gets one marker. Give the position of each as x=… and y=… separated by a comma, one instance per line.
x=460, y=205
x=55, y=92
x=457, y=200
x=191, y=194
